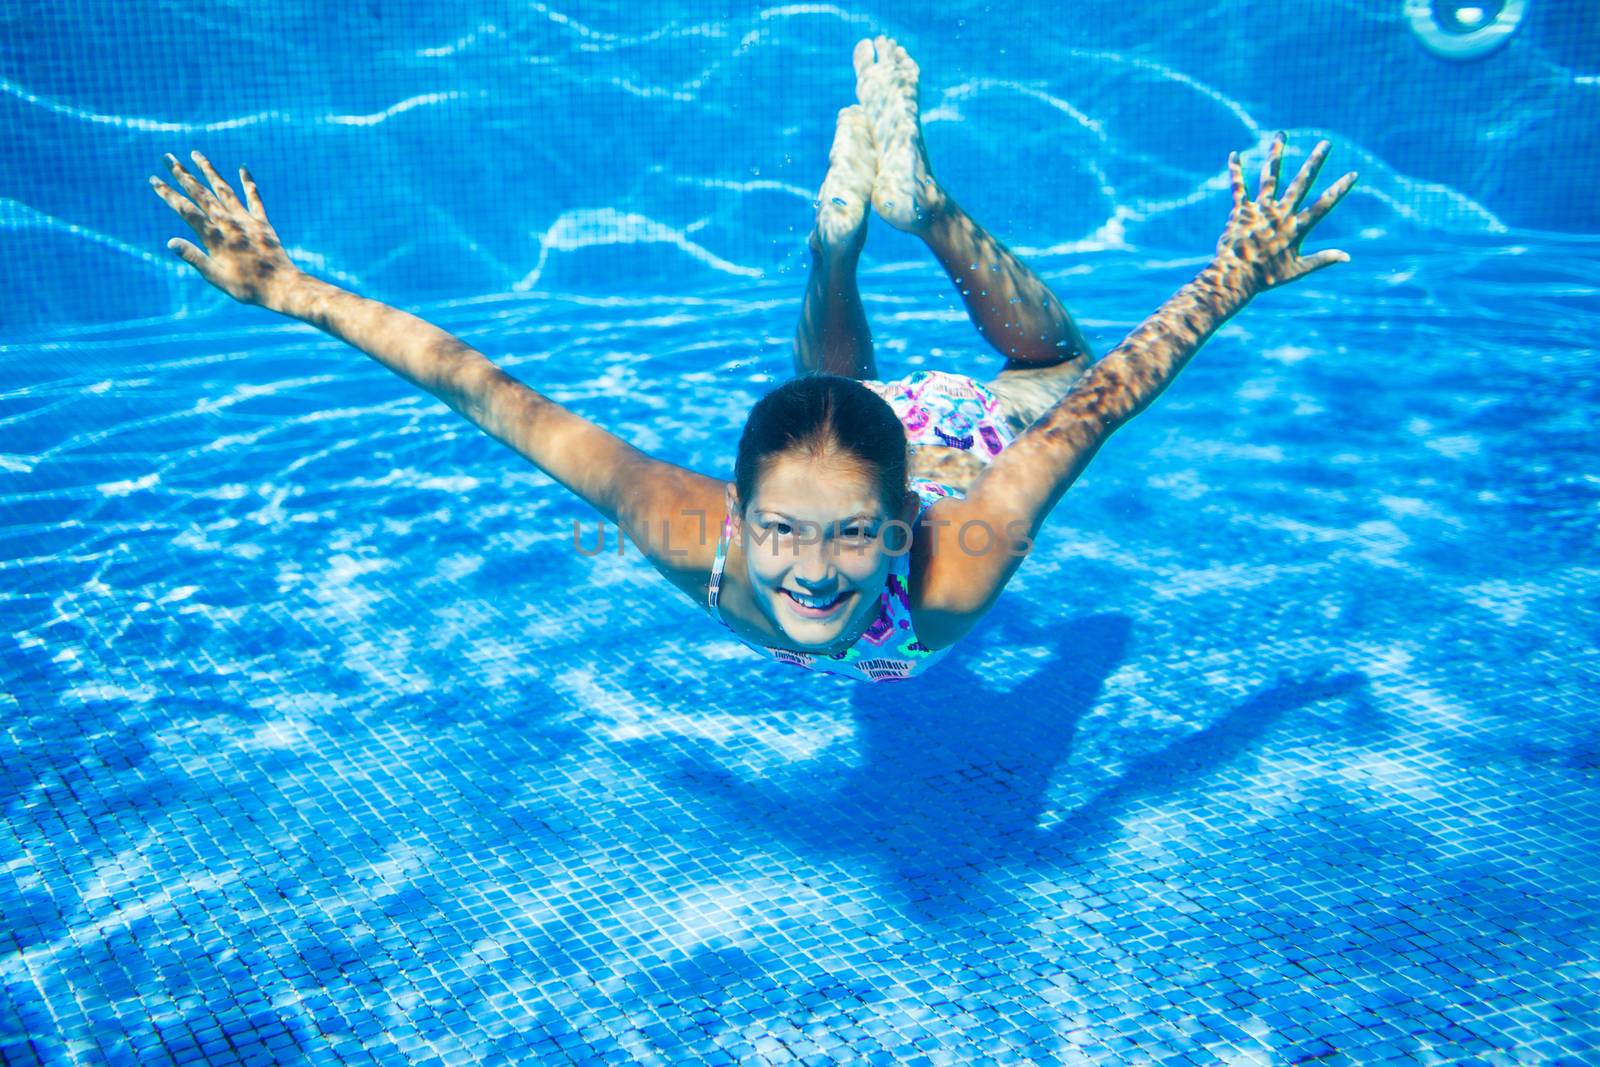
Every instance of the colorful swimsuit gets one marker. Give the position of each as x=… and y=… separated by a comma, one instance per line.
x=936, y=408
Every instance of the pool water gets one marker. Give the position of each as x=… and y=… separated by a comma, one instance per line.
x=323, y=743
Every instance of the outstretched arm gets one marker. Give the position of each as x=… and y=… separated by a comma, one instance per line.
x=244, y=258
x=1259, y=249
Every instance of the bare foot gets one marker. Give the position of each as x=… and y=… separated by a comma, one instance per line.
x=905, y=194
x=847, y=189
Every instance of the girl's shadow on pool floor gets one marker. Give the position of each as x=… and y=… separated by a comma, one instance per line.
x=953, y=777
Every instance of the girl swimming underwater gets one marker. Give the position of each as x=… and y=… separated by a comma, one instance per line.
x=870, y=524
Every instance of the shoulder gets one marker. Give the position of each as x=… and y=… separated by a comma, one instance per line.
x=960, y=563
x=675, y=520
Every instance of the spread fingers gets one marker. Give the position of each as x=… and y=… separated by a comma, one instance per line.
x=191, y=185
x=196, y=219
x=1324, y=203
x=1308, y=174
x=186, y=251
x=1326, y=258
x=252, y=198
x=1236, y=179
x=223, y=191
x=1270, y=168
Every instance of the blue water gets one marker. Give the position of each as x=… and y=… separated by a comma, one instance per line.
x=322, y=744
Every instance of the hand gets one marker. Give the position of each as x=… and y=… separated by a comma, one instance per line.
x=1260, y=247
x=245, y=259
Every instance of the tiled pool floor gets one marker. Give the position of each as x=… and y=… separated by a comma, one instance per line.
x=322, y=746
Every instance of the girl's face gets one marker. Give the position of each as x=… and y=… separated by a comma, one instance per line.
x=817, y=549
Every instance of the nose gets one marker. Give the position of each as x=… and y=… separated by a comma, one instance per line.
x=814, y=566
x=823, y=586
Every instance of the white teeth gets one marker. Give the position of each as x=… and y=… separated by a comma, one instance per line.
x=810, y=601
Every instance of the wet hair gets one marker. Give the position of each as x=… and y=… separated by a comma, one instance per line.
x=824, y=414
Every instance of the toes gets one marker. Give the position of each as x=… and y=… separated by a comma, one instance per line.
x=882, y=79
x=864, y=56
x=902, y=59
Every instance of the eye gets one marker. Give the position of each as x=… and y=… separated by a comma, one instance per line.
x=783, y=528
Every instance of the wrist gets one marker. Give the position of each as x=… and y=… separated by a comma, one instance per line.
x=296, y=294
x=1227, y=283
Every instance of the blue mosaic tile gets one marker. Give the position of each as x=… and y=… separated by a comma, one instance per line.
x=317, y=745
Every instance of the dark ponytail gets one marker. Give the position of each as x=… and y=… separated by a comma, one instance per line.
x=819, y=414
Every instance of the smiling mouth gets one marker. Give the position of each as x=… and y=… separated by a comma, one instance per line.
x=815, y=607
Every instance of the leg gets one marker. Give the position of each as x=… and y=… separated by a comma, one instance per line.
x=1028, y=392
x=1010, y=305
x=1014, y=311
x=833, y=336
